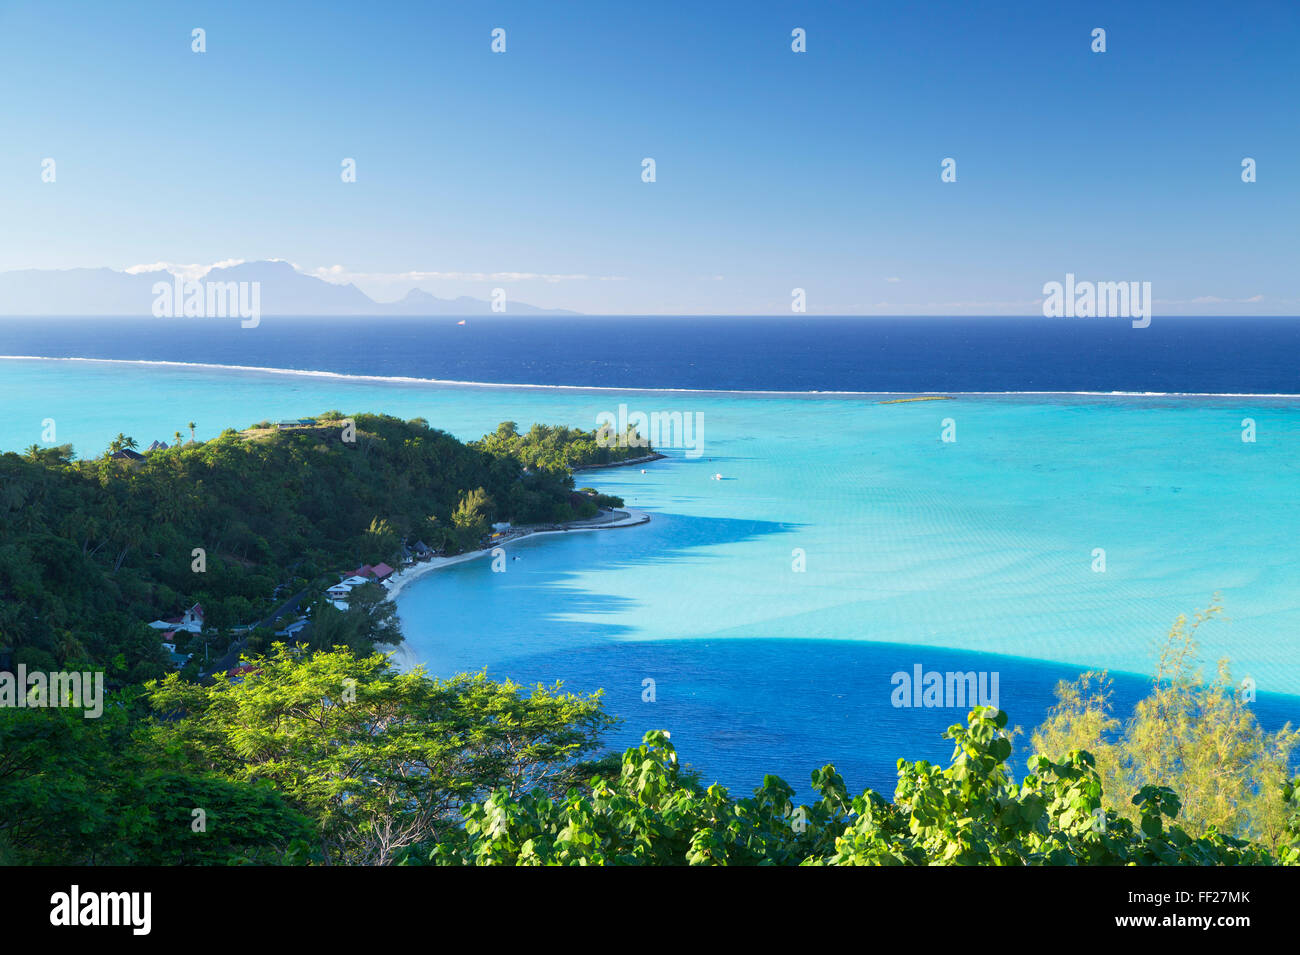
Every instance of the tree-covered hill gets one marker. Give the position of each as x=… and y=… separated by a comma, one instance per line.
x=93, y=549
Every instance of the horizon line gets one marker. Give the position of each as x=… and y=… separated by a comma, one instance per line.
x=541, y=314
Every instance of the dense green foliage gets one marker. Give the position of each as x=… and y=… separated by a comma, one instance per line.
x=92, y=550
x=971, y=813
x=75, y=791
x=560, y=448
x=325, y=757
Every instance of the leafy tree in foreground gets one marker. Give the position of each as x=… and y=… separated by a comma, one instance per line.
x=379, y=760
x=971, y=813
x=1198, y=737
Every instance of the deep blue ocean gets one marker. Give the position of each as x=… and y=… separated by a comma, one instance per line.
x=1187, y=355
x=971, y=556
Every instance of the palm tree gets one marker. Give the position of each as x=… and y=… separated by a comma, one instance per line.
x=178, y=439
x=69, y=648
x=130, y=443
x=192, y=426
x=171, y=504
x=33, y=452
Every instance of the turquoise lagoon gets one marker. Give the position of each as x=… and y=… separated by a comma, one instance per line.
x=976, y=553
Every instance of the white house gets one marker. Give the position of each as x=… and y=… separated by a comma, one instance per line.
x=191, y=621
x=293, y=629
x=338, y=594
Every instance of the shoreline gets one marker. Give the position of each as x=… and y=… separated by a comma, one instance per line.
x=644, y=459
x=403, y=657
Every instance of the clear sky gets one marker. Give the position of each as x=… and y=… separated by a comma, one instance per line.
x=775, y=169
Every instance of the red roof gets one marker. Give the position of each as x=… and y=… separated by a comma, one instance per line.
x=377, y=572
x=242, y=670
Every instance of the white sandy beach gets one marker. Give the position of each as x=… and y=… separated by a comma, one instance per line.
x=404, y=658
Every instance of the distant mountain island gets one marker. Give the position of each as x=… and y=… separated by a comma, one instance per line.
x=283, y=291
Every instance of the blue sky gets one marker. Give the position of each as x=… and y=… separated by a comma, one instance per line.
x=775, y=170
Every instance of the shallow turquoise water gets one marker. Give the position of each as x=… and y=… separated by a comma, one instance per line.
x=984, y=544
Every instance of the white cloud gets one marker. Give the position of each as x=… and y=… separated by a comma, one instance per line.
x=190, y=273
x=1214, y=300
x=340, y=274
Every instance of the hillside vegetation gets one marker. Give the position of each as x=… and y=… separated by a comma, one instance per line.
x=92, y=550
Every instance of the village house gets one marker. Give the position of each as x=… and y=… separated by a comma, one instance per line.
x=378, y=573
x=338, y=594
x=191, y=621
x=178, y=660
x=293, y=629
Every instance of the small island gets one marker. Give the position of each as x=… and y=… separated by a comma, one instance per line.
x=900, y=401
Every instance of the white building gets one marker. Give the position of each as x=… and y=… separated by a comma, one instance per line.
x=191, y=621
